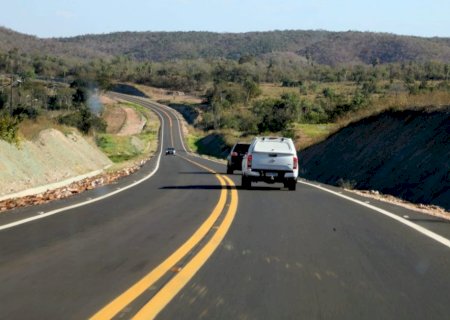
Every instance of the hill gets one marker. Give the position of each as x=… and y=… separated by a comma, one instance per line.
x=10, y=40
x=402, y=153
x=323, y=47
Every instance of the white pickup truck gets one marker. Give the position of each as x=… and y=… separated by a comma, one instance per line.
x=270, y=159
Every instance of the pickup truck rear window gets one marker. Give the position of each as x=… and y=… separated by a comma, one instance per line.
x=272, y=146
x=242, y=148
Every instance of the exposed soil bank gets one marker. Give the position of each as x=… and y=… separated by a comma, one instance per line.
x=51, y=158
x=402, y=153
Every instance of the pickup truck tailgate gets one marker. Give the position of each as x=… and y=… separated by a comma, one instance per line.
x=272, y=161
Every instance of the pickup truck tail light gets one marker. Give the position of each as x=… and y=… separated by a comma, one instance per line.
x=295, y=165
x=249, y=161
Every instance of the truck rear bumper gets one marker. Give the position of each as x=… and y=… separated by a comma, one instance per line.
x=270, y=176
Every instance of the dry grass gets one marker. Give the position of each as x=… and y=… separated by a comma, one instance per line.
x=169, y=95
x=273, y=90
x=115, y=117
x=427, y=101
x=30, y=129
x=404, y=101
x=309, y=134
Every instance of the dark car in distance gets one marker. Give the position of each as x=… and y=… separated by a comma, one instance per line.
x=234, y=159
x=170, y=151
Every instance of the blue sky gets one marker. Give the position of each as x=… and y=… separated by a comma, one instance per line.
x=56, y=18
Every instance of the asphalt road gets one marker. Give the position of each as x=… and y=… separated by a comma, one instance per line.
x=186, y=243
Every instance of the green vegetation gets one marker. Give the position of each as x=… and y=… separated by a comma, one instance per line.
x=281, y=82
x=316, y=131
x=9, y=127
x=192, y=141
x=216, y=143
x=67, y=104
x=84, y=120
x=117, y=148
x=321, y=47
x=124, y=148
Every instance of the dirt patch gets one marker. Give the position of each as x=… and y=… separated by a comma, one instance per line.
x=115, y=118
x=105, y=100
x=134, y=122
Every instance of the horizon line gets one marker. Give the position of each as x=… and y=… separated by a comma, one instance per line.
x=222, y=32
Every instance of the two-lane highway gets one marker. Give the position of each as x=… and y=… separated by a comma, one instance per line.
x=185, y=243
x=70, y=264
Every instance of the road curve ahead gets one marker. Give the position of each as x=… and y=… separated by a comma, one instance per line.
x=179, y=240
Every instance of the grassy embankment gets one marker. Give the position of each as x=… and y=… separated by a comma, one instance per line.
x=119, y=148
x=124, y=148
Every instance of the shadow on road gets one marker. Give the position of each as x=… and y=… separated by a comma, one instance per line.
x=261, y=188
x=429, y=220
x=199, y=187
x=195, y=172
x=204, y=172
x=217, y=187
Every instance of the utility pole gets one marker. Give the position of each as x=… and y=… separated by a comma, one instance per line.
x=12, y=84
x=11, y=98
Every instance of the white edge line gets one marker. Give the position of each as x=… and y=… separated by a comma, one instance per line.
x=50, y=213
x=176, y=114
x=410, y=224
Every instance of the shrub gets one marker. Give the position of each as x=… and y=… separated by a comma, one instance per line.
x=22, y=112
x=9, y=127
x=444, y=85
x=248, y=123
x=289, y=132
x=3, y=100
x=315, y=114
x=346, y=184
x=291, y=83
x=84, y=120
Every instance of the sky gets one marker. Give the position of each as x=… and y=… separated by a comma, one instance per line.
x=66, y=18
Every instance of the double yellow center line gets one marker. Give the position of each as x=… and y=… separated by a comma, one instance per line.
x=151, y=309
x=170, y=125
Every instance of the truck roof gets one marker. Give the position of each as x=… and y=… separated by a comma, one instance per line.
x=273, y=144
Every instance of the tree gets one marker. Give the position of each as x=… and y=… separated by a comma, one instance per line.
x=3, y=100
x=276, y=115
x=252, y=90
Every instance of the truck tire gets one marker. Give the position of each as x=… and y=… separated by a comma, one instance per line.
x=292, y=185
x=229, y=170
x=246, y=183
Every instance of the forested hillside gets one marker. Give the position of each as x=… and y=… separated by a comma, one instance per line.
x=322, y=47
x=10, y=40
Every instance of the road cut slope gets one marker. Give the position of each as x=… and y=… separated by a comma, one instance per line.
x=50, y=158
x=402, y=153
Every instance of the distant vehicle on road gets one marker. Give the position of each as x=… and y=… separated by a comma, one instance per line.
x=270, y=159
x=234, y=159
x=170, y=151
